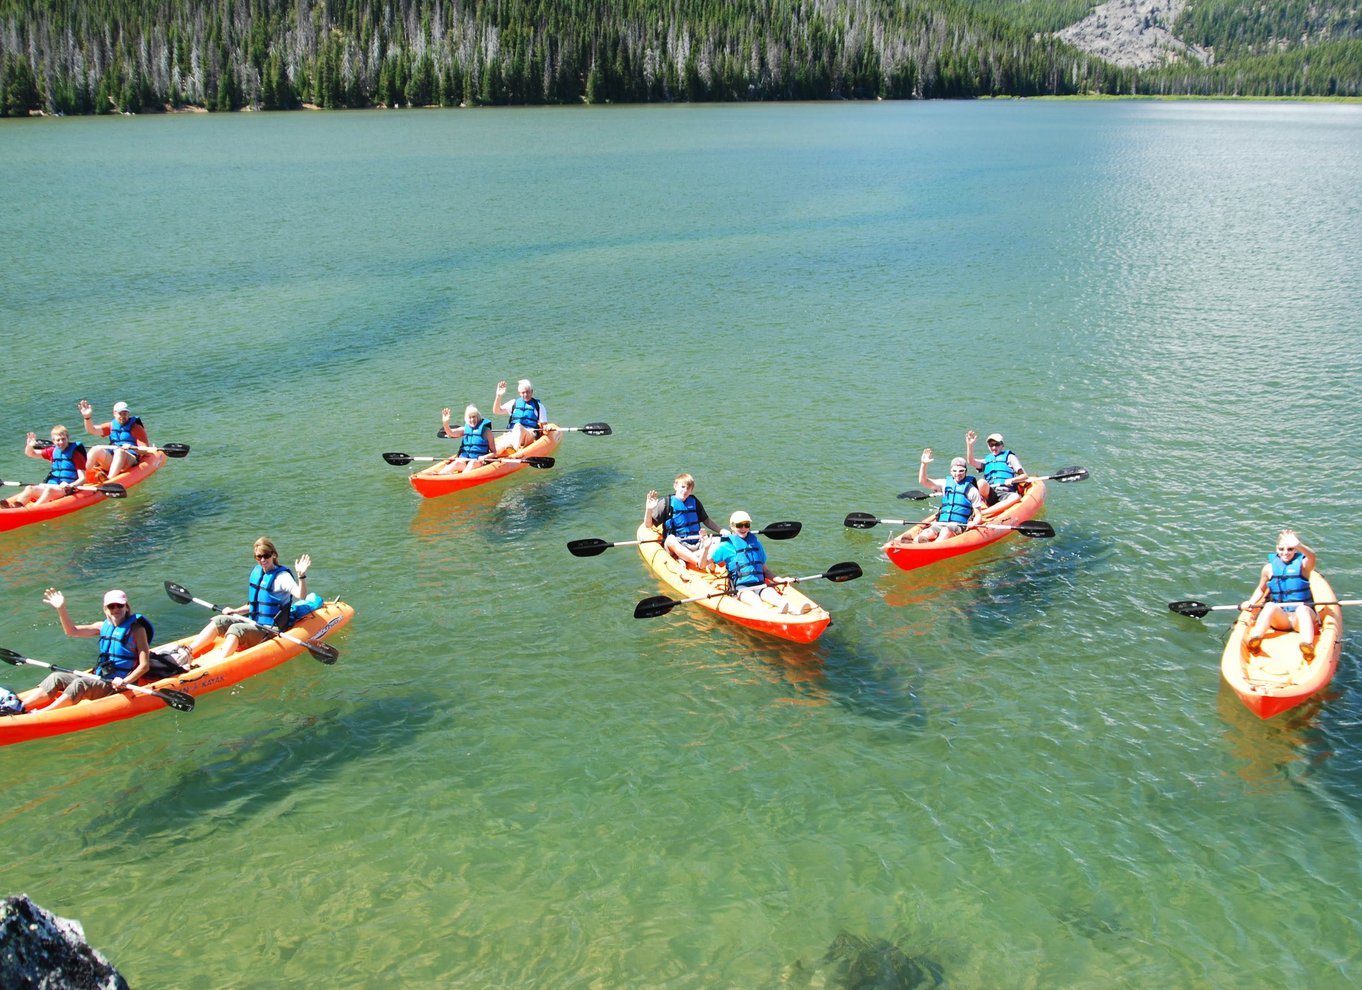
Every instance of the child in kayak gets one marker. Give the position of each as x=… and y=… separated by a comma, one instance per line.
x=68, y=468
x=681, y=516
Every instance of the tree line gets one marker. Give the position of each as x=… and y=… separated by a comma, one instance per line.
x=108, y=56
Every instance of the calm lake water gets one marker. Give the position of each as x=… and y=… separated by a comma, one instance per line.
x=1019, y=769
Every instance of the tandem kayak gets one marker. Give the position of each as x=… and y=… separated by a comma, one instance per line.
x=211, y=675
x=432, y=485
x=907, y=555
x=1281, y=678
x=763, y=618
x=150, y=463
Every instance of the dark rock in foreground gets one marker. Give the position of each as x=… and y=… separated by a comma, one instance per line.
x=39, y=951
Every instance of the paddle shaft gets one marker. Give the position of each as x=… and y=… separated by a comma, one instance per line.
x=175, y=699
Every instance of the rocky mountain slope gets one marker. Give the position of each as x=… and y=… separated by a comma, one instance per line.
x=1133, y=33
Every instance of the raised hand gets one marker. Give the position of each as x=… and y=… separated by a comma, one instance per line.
x=54, y=598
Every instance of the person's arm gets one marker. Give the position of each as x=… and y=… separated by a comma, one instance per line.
x=486, y=430
x=498, y=405
x=1260, y=593
x=57, y=600
x=139, y=433
x=976, y=501
x=651, y=505
x=300, y=568
x=970, y=437
x=85, y=410
x=1308, y=564
x=29, y=449
x=922, y=478
x=143, y=650
x=1018, y=472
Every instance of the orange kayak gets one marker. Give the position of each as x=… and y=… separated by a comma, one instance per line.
x=150, y=463
x=432, y=485
x=211, y=676
x=687, y=583
x=907, y=555
x=1281, y=678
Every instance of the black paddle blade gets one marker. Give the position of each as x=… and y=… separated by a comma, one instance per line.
x=440, y=434
x=178, y=594
x=1197, y=610
x=782, y=530
x=848, y=570
x=587, y=548
x=177, y=450
x=860, y=520
x=177, y=700
x=536, y=462
x=10, y=657
x=915, y=495
x=1070, y=474
x=112, y=489
x=1033, y=529
x=393, y=457
x=326, y=654
x=597, y=429
x=651, y=608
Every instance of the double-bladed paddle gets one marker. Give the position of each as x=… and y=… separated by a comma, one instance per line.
x=650, y=608
x=1031, y=528
x=590, y=429
x=1198, y=610
x=109, y=489
x=1062, y=475
x=177, y=700
x=593, y=548
x=323, y=652
x=169, y=449
x=400, y=459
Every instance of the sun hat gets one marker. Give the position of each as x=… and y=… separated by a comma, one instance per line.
x=739, y=517
x=120, y=407
x=116, y=597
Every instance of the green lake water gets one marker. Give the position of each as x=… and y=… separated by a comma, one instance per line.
x=1018, y=769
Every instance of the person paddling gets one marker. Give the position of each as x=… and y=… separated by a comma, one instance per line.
x=681, y=516
x=961, y=501
x=475, y=447
x=68, y=468
x=124, y=653
x=1284, y=593
x=751, y=581
x=528, y=417
x=125, y=432
x=273, y=588
x=1001, y=469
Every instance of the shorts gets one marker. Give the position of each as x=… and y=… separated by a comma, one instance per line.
x=76, y=686
x=247, y=634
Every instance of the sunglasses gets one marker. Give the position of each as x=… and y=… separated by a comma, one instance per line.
x=263, y=556
x=742, y=525
x=1286, y=548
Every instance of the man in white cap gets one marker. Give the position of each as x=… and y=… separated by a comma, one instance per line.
x=124, y=653
x=1002, y=470
x=528, y=416
x=961, y=501
x=126, y=434
x=1284, y=593
x=742, y=555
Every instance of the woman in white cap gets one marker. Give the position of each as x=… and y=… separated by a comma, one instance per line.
x=528, y=416
x=124, y=653
x=742, y=555
x=1284, y=593
x=961, y=501
x=475, y=434
x=125, y=432
x=1002, y=470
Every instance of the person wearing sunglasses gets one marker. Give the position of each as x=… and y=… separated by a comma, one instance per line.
x=527, y=416
x=681, y=516
x=961, y=501
x=1001, y=470
x=1284, y=593
x=273, y=589
x=124, y=653
x=741, y=554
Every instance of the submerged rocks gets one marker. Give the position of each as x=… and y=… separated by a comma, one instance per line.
x=39, y=951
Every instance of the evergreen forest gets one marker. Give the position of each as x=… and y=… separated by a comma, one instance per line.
x=134, y=56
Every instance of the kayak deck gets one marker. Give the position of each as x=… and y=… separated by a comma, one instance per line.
x=212, y=675
x=432, y=485
x=685, y=582
x=1280, y=679
x=151, y=462
x=907, y=555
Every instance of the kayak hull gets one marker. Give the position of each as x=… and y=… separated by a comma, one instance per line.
x=682, y=582
x=907, y=555
x=1280, y=679
x=213, y=675
x=151, y=462
x=432, y=485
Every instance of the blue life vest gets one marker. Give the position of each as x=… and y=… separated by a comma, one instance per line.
x=1286, y=585
x=120, y=434
x=745, y=560
x=525, y=414
x=955, y=503
x=997, y=472
x=64, y=470
x=476, y=440
x=684, y=520
x=267, y=605
x=117, y=654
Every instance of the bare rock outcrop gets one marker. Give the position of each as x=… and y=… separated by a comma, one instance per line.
x=1133, y=33
x=39, y=951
